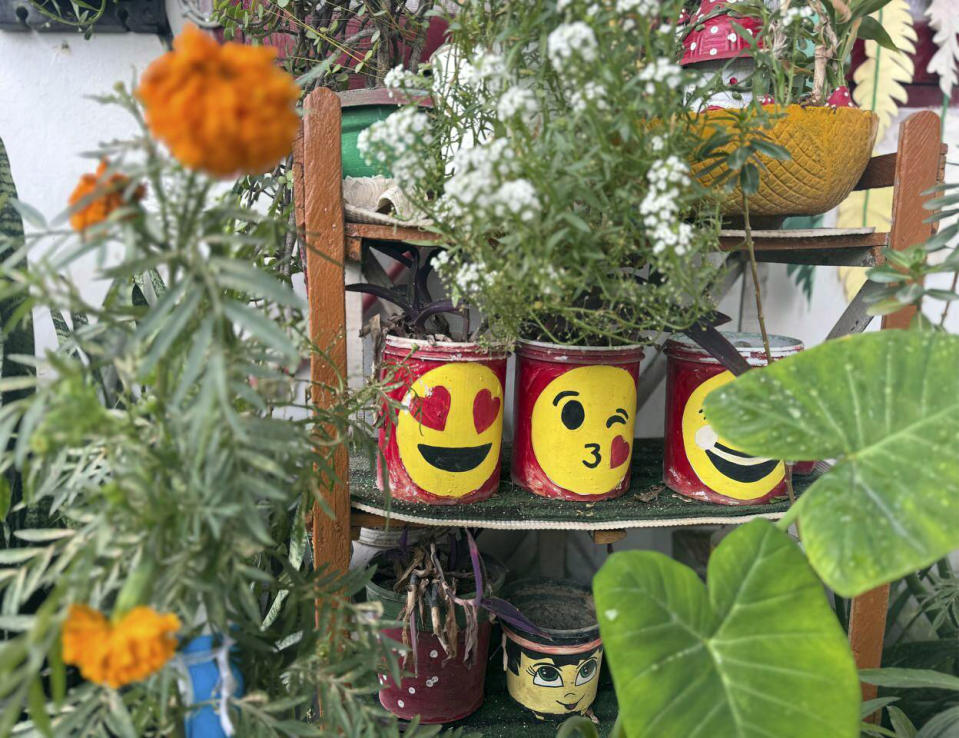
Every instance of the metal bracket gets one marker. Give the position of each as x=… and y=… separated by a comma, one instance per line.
x=119, y=16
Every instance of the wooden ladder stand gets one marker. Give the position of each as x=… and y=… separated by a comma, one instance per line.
x=917, y=166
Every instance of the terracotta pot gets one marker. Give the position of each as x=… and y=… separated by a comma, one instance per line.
x=444, y=445
x=553, y=677
x=696, y=461
x=574, y=415
x=443, y=689
x=830, y=149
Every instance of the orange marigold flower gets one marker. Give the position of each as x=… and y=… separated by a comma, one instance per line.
x=225, y=109
x=140, y=643
x=99, y=196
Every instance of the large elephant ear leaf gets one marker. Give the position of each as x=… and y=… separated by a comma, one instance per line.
x=757, y=652
x=886, y=407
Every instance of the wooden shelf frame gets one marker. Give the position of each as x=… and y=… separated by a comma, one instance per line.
x=916, y=167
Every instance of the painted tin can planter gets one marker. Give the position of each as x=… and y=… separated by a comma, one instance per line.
x=557, y=677
x=443, y=689
x=574, y=416
x=697, y=462
x=444, y=446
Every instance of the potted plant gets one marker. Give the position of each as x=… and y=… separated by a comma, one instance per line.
x=791, y=98
x=441, y=435
x=443, y=595
x=554, y=674
x=697, y=461
x=553, y=167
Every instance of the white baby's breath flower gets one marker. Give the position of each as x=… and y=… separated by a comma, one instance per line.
x=660, y=72
x=401, y=79
x=640, y=7
x=570, y=41
x=397, y=143
x=588, y=93
x=517, y=101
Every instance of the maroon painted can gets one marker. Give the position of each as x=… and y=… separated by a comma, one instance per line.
x=697, y=462
x=574, y=416
x=443, y=445
x=444, y=689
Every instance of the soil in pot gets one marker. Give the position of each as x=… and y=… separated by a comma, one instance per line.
x=555, y=676
x=446, y=669
x=443, y=446
x=697, y=462
x=574, y=417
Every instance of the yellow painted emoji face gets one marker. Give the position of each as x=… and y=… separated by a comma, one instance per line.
x=450, y=428
x=582, y=428
x=719, y=465
x=553, y=685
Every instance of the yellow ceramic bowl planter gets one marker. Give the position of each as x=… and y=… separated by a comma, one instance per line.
x=830, y=148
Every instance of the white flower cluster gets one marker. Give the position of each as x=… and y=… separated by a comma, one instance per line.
x=463, y=280
x=484, y=186
x=396, y=142
x=585, y=94
x=660, y=71
x=400, y=79
x=569, y=42
x=640, y=7
x=484, y=68
x=659, y=209
x=517, y=101
x=796, y=16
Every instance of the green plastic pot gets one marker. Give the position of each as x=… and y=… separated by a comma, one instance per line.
x=355, y=120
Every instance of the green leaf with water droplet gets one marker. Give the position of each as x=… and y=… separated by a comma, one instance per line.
x=756, y=652
x=886, y=406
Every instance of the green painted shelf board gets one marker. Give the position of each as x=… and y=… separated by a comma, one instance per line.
x=646, y=504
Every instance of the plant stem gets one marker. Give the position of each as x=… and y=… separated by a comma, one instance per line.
x=945, y=309
x=755, y=272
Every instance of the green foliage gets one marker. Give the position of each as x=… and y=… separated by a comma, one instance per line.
x=175, y=443
x=904, y=273
x=882, y=404
x=16, y=328
x=556, y=171
x=325, y=43
x=758, y=652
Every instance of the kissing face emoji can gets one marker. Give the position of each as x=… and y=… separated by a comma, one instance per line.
x=442, y=447
x=575, y=412
x=697, y=462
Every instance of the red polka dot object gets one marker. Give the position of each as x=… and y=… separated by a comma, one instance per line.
x=840, y=98
x=712, y=37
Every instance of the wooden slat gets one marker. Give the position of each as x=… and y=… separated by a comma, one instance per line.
x=323, y=220
x=880, y=172
x=382, y=96
x=867, y=628
x=356, y=232
x=918, y=169
x=821, y=246
x=601, y=537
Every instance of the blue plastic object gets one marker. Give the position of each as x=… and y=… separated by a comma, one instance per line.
x=204, y=681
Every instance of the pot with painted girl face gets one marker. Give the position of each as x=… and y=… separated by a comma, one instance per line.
x=553, y=674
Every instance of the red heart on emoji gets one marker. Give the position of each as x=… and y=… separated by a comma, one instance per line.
x=485, y=410
x=432, y=410
x=619, y=452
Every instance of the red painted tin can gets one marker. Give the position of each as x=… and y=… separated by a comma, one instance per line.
x=444, y=689
x=697, y=462
x=574, y=415
x=443, y=446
